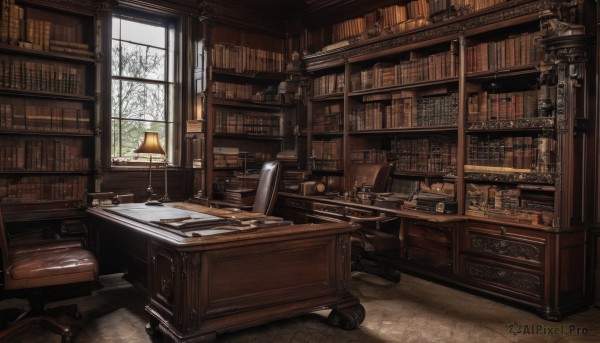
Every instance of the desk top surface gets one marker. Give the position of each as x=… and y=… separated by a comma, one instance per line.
x=214, y=225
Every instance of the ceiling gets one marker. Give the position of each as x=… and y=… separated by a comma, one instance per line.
x=287, y=9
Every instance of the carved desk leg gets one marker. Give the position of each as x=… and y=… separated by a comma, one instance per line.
x=347, y=318
x=152, y=327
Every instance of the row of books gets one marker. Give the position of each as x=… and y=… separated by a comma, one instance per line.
x=30, y=33
x=328, y=84
x=243, y=59
x=486, y=106
x=42, y=188
x=389, y=17
x=348, y=29
x=477, y=5
x=44, y=118
x=508, y=203
x=406, y=110
x=228, y=90
x=369, y=156
x=432, y=154
x=43, y=155
x=436, y=66
x=327, y=149
x=523, y=153
x=511, y=52
x=248, y=123
x=393, y=15
x=42, y=77
x=328, y=121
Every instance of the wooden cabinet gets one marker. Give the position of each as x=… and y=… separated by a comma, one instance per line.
x=538, y=268
x=487, y=106
x=48, y=105
x=506, y=258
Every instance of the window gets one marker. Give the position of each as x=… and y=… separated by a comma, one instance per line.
x=144, y=82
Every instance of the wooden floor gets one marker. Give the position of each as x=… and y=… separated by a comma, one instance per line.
x=413, y=310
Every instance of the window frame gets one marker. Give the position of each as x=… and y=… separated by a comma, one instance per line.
x=173, y=82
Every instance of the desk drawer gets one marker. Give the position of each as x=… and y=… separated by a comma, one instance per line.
x=514, y=281
x=298, y=203
x=333, y=210
x=511, y=244
x=357, y=212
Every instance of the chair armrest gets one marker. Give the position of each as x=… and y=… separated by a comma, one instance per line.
x=46, y=246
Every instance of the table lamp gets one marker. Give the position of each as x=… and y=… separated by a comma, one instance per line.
x=150, y=145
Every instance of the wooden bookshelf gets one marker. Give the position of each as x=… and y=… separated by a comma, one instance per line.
x=475, y=96
x=247, y=116
x=48, y=106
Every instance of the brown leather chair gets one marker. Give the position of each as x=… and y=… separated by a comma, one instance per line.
x=41, y=272
x=266, y=190
x=268, y=186
x=374, y=176
x=376, y=238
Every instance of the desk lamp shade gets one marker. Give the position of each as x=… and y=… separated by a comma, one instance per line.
x=150, y=145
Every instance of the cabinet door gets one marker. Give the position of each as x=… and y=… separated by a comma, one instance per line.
x=430, y=244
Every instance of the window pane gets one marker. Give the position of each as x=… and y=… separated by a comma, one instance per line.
x=141, y=61
x=116, y=58
x=142, y=101
x=116, y=27
x=143, y=33
x=116, y=99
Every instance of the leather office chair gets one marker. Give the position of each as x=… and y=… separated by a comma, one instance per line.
x=375, y=236
x=266, y=190
x=41, y=272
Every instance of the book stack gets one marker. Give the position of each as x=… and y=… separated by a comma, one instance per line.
x=432, y=67
x=513, y=154
x=42, y=77
x=248, y=122
x=327, y=119
x=393, y=15
x=243, y=59
x=11, y=20
x=433, y=154
x=43, y=188
x=227, y=90
x=369, y=156
x=328, y=84
x=437, y=110
x=44, y=118
x=348, y=29
x=513, y=51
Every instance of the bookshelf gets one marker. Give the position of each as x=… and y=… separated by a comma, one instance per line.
x=48, y=104
x=48, y=117
x=481, y=103
x=247, y=107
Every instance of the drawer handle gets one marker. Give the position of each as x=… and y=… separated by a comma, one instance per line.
x=503, y=230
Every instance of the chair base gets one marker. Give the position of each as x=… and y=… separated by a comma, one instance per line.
x=372, y=267
x=45, y=319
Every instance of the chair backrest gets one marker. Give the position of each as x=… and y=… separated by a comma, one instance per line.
x=374, y=175
x=268, y=185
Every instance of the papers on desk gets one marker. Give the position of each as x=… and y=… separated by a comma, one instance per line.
x=166, y=216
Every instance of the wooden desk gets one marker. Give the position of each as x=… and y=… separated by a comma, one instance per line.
x=199, y=286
